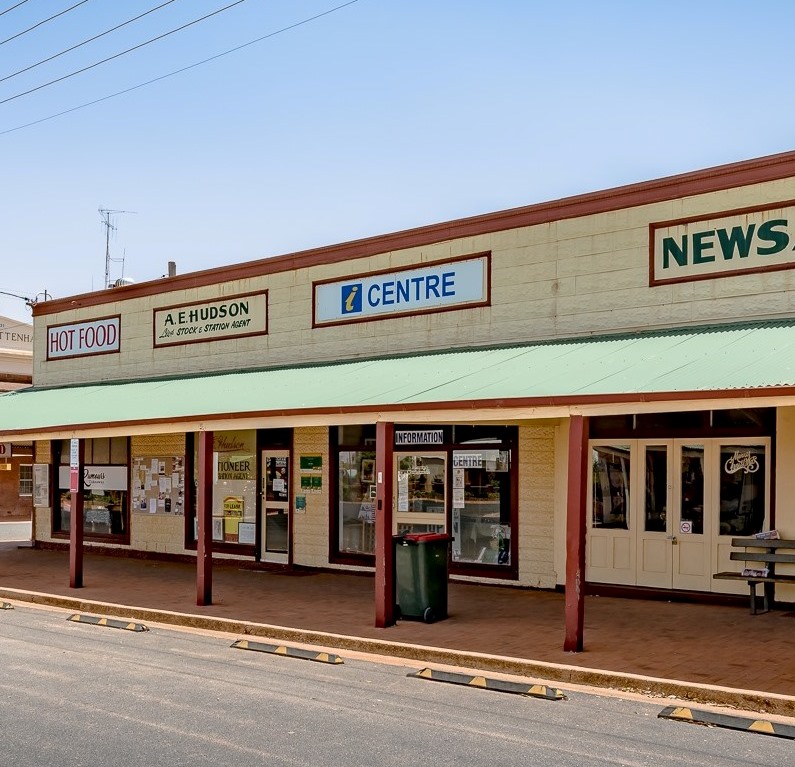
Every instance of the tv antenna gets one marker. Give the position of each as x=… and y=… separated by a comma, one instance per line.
x=107, y=222
x=31, y=302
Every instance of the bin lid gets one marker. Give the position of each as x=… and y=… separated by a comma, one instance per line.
x=425, y=537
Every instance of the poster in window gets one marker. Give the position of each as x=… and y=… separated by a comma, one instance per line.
x=246, y=533
x=218, y=528
x=41, y=485
x=158, y=484
x=368, y=470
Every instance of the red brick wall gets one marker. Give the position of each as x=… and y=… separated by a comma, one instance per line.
x=10, y=502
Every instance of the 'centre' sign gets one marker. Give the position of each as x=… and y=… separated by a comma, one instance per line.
x=462, y=283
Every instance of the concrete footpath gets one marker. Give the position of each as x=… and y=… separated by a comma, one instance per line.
x=704, y=653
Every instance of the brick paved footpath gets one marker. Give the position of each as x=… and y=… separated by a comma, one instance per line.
x=702, y=644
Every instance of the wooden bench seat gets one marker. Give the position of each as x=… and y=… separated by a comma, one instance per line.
x=767, y=551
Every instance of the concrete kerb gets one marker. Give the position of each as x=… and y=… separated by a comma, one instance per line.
x=747, y=700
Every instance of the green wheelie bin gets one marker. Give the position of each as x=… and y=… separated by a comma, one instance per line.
x=421, y=576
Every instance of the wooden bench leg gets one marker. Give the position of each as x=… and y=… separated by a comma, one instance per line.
x=752, y=587
x=769, y=595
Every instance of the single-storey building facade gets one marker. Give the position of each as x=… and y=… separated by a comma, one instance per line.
x=604, y=382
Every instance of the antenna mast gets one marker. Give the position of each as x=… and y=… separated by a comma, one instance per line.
x=105, y=214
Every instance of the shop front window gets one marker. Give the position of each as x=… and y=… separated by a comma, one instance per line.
x=421, y=492
x=481, y=506
x=610, y=486
x=656, y=490
x=457, y=480
x=692, y=488
x=105, y=489
x=234, y=505
x=742, y=489
x=356, y=509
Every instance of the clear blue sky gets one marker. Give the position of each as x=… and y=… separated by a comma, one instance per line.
x=380, y=116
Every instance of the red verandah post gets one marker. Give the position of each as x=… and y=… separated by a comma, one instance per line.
x=384, y=553
x=204, y=514
x=77, y=449
x=575, y=533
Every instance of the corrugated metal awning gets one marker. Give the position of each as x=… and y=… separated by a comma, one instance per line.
x=747, y=360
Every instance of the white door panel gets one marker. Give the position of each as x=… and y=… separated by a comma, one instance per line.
x=653, y=516
x=662, y=513
x=691, y=529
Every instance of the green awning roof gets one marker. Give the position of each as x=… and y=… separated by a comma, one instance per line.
x=624, y=368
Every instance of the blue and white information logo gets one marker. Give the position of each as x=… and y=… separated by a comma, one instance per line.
x=429, y=288
x=352, y=298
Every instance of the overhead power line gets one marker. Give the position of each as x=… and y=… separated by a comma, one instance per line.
x=36, y=26
x=85, y=42
x=117, y=55
x=22, y=2
x=179, y=71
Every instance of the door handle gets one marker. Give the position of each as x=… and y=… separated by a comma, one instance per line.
x=673, y=539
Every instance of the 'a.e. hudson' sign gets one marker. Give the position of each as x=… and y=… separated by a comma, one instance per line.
x=232, y=317
x=754, y=239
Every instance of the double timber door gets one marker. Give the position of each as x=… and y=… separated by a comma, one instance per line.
x=662, y=513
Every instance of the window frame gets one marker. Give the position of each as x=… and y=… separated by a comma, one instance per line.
x=60, y=451
x=28, y=479
x=508, y=441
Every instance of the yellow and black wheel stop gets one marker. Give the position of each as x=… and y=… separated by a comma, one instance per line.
x=498, y=685
x=95, y=620
x=287, y=652
x=710, y=719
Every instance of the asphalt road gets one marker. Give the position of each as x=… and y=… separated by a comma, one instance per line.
x=78, y=694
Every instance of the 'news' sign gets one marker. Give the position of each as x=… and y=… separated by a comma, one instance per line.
x=723, y=244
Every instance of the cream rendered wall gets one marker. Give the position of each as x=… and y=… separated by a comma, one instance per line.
x=311, y=527
x=565, y=278
x=537, y=454
x=785, y=490
x=561, y=499
x=159, y=533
